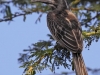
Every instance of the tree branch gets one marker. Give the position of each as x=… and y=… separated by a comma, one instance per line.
x=3, y=2
x=91, y=33
x=88, y=9
x=14, y=15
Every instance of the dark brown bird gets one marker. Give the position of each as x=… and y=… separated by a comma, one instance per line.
x=66, y=30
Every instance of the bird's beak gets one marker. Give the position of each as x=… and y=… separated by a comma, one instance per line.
x=68, y=7
x=45, y=1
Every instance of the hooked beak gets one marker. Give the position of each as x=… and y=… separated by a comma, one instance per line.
x=68, y=7
x=45, y=1
x=51, y=2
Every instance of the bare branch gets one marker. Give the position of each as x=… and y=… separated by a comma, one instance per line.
x=39, y=18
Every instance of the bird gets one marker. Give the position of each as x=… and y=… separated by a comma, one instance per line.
x=66, y=30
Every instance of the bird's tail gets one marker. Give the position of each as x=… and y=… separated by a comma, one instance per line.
x=79, y=64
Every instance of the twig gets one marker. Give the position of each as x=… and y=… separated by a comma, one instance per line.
x=39, y=18
x=14, y=15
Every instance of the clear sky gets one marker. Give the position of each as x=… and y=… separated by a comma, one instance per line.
x=18, y=35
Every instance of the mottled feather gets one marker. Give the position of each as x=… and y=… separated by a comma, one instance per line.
x=66, y=30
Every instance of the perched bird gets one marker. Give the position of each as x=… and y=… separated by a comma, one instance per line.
x=66, y=30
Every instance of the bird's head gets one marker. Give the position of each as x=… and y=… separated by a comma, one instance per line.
x=54, y=4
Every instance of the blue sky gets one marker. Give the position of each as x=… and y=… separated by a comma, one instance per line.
x=18, y=35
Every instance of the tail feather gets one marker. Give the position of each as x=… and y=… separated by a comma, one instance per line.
x=79, y=64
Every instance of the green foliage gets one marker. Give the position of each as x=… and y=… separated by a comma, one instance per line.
x=45, y=54
x=25, y=7
x=49, y=54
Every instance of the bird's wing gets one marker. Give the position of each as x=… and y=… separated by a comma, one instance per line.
x=66, y=32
